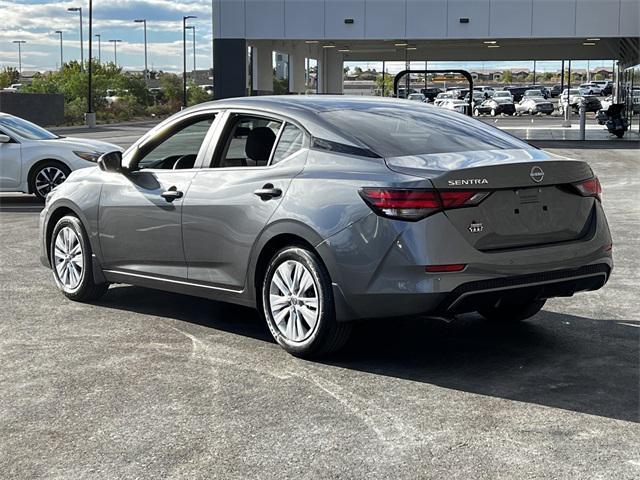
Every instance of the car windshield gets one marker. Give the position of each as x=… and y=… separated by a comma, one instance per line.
x=533, y=93
x=394, y=131
x=502, y=94
x=24, y=129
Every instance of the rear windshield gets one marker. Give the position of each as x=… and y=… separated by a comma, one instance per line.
x=395, y=131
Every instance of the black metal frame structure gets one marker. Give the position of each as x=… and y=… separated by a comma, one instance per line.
x=464, y=73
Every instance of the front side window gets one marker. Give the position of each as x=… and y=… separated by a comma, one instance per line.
x=248, y=142
x=180, y=149
x=290, y=142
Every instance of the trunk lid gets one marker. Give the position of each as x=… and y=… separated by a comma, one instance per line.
x=532, y=201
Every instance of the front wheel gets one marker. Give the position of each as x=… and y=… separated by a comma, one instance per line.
x=619, y=133
x=512, y=312
x=47, y=176
x=476, y=113
x=298, y=305
x=493, y=112
x=70, y=258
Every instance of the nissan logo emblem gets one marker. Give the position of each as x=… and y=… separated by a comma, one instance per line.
x=536, y=174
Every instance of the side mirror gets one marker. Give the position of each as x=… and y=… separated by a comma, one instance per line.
x=110, y=162
x=4, y=138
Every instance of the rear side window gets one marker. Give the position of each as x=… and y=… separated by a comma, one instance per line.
x=290, y=142
x=395, y=131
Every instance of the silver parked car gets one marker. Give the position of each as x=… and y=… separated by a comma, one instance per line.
x=319, y=211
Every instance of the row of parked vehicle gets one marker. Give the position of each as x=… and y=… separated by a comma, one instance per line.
x=531, y=100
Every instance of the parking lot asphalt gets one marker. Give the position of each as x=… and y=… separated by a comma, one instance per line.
x=145, y=384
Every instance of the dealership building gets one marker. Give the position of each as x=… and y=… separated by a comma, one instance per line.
x=254, y=37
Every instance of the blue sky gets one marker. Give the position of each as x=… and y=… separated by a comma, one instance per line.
x=36, y=20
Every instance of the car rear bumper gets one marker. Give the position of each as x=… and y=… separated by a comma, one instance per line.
x=378, y=268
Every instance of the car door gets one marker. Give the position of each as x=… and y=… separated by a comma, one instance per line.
x=10, y=163
x=229, y=204
x=140, y=215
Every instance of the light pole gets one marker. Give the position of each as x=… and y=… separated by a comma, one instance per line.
x=90, y=117
x=193, y=29
x=20, y=42
x=115, y=50
x=59, y=32
x=99, y=37
x=144, y=22
x=184, y=58
x=79, y=9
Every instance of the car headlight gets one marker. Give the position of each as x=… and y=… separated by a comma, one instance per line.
x=88, y=156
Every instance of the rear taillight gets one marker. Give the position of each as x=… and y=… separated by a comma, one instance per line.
x=415, y=204
x=590, y=188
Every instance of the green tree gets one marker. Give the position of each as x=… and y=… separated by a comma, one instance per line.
x=8, y=76
x=507, y=76
x=196, y=95
x=386, y=82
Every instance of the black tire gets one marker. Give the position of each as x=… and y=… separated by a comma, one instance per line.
x=476, y=112
x=43, y=166
x=619, y=133
x=493, y=112
x=86, y=290
x=508, y=313
x=328, y=335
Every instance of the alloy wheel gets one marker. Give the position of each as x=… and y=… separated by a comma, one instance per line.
x=47, y=179
x=68, y=258
x=293, y=301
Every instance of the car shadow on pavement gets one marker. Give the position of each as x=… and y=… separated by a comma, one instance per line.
x=556, y=360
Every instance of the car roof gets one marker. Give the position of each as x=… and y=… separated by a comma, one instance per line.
x=305, y=109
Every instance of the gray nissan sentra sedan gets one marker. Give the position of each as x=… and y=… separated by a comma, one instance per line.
x=319, y=211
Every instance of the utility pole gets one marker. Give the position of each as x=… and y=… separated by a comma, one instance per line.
x=59, y=32
x=146, y=69
x=20, y=42
x=99, y=37
x=79, y=9
x=184, y=58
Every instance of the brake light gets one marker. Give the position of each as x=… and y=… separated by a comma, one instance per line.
x=590, y=188
x=455, y=267
x=415, y=204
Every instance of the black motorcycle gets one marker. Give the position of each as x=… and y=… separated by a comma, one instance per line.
x=613, y=117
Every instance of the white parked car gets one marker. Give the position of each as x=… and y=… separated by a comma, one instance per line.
x=502, y=94
x=417, y=97
x=590, y=89
x=443, y=97
x=456, y=105
x=34, y=160
x=15, y=87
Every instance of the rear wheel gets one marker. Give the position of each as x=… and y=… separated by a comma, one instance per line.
x=512, y=312
x=619, y=133
x=46, y=176
x=476, y=113
x=297, y=302
x=493, y=112
x=70, y=258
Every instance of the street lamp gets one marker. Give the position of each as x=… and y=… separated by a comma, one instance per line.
x=99, y=37
x=184, y=58
x=20, y=42
x=193, y=28
x=79, y=9
x=115, y=50
x=144, y=22
x=59, y=32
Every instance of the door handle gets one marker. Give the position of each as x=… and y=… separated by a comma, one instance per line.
x=268, y=191
x=172, y=194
